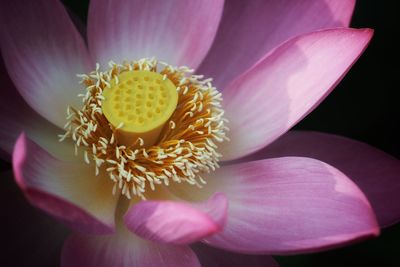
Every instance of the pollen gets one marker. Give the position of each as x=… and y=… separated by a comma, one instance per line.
x=147, y=124
x=141, y=102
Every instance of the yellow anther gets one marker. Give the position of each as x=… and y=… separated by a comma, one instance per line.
x=139, y=103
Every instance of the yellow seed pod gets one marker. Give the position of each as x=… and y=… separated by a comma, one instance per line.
x=139, y=103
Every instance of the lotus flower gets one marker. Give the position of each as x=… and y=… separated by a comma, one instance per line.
x=140, y=196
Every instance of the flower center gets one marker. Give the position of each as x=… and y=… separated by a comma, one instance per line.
x=138, y=103
x=146, y=124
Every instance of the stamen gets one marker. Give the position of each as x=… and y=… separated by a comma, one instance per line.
x=177, y=143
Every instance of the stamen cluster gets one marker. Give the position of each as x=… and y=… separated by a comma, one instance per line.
x=187, y=145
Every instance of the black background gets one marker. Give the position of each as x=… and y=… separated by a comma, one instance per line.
x=364, y=106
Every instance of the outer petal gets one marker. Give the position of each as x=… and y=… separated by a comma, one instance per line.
x=213, y=257
x=179, y=32
x=250, y=29
x=16, y=116
x=286, y=85
x=124, y=250
x=290, y=205
x=375, y=172
x=177, y=222
x=43, y=53
x=67, y=190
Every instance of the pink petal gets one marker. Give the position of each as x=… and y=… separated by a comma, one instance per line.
x=286, y=85
x=250, y=29
x=43, y=52
x=177, y=222
x=123, y=250
x=67, y=190
x=14, y=113
x=290, y=205
x=178, y=32
x=9, y=100
x=213, y=257
x=375, y=172
x=16, y=116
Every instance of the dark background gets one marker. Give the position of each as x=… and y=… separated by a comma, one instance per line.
x=364, y=106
